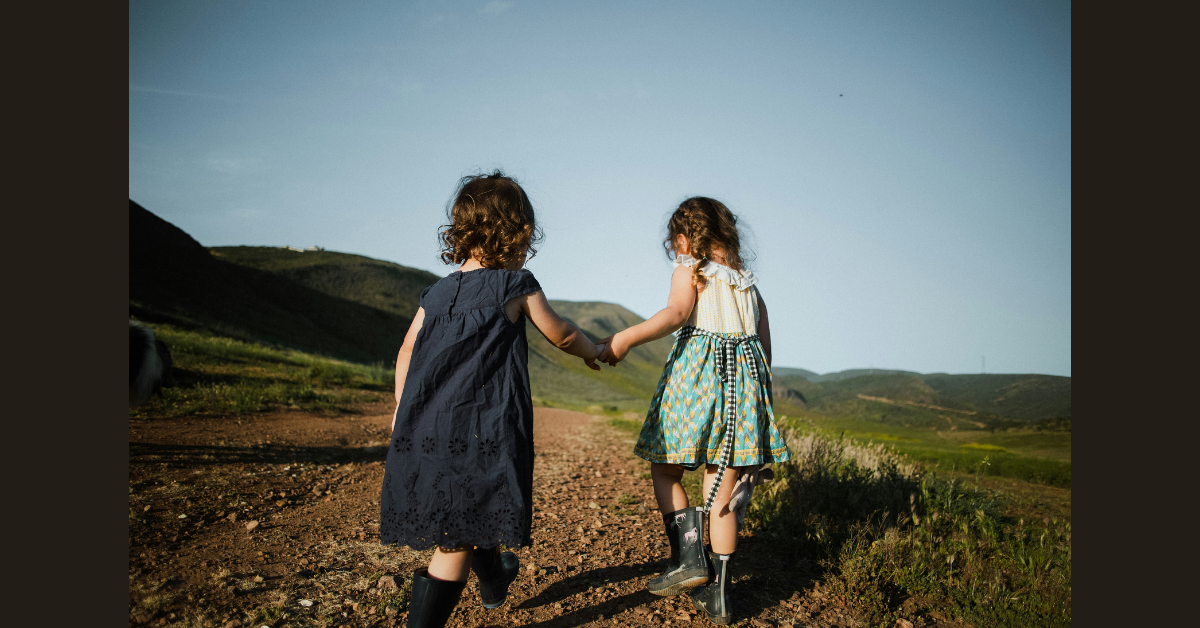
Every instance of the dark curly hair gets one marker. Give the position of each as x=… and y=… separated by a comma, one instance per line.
x=491, y=218
x=707, y=224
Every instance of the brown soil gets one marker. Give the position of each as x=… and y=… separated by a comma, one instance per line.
x=312, y=483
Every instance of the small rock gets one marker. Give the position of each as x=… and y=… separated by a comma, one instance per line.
x=387, y=582
x=903, y=623
x=593, y=505
x=233, y=623
x=306, y=603
x=281, y=503
x=683, y=617
x=558, y=605
x=251, y=525
x=641, y=509
x=258, y=578
x=579, y=529
x=146, y=509
x=761, y=623
x=599, y=475
x=642, y=610
x=391, y=611
x=319, y=489
x=531, y=568
x=232, y=517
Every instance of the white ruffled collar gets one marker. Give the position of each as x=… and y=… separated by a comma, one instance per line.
x=739, y=279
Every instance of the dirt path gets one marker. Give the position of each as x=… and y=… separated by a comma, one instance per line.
x=272, y=520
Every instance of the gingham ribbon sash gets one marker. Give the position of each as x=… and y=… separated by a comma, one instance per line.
x=727, y=350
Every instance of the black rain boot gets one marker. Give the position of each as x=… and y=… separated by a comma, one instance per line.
x=432, y=600
x=713, y=600
x=495, y=571
x=685, y=529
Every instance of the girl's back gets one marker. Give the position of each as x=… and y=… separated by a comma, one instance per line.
x=728, y=305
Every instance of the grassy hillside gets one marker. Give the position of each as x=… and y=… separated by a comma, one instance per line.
x=1026, y=397
x=216, y=375
x=173, y=279
x=383, y=285
x=560, y=379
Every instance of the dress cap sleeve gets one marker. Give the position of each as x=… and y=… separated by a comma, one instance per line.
x=520, y=283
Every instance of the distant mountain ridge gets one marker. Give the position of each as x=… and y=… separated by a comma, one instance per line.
x=1024, y=397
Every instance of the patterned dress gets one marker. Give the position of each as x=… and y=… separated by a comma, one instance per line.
x=716, y=375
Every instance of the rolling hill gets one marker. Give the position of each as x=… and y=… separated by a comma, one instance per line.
x=375, y=283
x=173, y=279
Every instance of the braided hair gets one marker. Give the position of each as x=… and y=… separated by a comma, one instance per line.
x=708, y=225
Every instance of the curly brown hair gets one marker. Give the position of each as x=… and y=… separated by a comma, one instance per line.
x=491, y=219
x=708, y=225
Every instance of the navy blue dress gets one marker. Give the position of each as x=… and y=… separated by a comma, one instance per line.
x=460, y=466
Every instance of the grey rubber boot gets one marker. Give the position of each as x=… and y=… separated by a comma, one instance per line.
x=432, y=600
x=685, y=529
x=713, y=599
x=495, y=571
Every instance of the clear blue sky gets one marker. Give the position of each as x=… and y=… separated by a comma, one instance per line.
x=904, y=168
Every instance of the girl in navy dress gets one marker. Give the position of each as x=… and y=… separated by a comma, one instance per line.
x=459, y=474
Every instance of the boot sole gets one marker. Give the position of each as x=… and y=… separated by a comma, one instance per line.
x=680, y=587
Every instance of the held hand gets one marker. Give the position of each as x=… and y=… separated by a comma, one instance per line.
x=591, y=362
x=605, y=353
x=615, y=350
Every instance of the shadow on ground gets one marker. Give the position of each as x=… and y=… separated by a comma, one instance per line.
x=193, y=455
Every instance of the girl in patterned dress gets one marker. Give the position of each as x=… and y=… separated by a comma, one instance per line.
x=713, y=403
x=459, y=472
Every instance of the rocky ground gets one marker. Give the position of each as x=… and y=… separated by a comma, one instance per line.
x=272, y=520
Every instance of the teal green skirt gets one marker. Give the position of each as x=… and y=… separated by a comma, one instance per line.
x=686, y=421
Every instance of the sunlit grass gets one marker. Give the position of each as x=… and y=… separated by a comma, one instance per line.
x=221, y=376
x=884, y=532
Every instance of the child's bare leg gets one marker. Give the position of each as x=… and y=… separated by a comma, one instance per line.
x=453, y=564
x=722, y=524
x=668, y=487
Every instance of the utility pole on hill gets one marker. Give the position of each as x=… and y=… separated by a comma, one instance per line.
x=983, y=363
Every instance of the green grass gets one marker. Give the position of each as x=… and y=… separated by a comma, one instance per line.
x=215, y=375
x=883, y=533
x=1025, y=454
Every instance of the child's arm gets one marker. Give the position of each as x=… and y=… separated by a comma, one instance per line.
x=669, y=319
x=559, y=332
x=405, y=355
x=764, y=328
